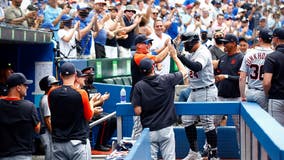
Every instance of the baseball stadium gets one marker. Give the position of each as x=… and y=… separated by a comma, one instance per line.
x=216, y=121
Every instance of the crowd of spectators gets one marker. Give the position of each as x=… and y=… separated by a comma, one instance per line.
x=107, y=28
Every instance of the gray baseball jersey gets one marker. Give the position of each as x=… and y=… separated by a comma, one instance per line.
x=253, y=65
x=205, y=77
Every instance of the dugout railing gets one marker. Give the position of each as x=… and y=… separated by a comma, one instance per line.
x=261, y=136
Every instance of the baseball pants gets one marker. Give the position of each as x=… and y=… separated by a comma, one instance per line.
x=276, y=109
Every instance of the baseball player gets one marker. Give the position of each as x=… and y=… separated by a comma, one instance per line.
x=202, y=84
x=252, y=69
x=273, y=78
x=45, y=85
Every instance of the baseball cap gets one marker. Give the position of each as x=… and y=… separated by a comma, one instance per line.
x=130, y=8
x=17, y=79
x=279, y=33
x=189, y=37
x=67, y=68
x=46, y=82
x=241, y=10
x=82, y=6
x=203, y=29
x=117, y=3
x=80, y=74
x=230, y=38
x=146, y=65
x=110, y=8
x=88, y=70
x=32, y=7
x=218, y=2
x=266, y=34
x=227, y=16
x=262, y=18
x=189, y=6
x=142, y=39
x=66, y=17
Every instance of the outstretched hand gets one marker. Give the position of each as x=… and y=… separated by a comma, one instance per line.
x=173, y=52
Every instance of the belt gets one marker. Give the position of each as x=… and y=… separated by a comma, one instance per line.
x=206, y=87
x=256, y=89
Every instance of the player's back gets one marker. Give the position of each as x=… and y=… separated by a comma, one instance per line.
x=253, y=64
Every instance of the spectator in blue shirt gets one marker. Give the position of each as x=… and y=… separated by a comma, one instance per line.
x=86, y=26
x=100, y=36
x=52, y=14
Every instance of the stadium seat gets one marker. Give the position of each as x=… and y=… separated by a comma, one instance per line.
x=108, y=81
x=118, y=80
x=126, y=80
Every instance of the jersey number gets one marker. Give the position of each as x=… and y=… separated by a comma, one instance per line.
x=257, y=72
x=193, y=74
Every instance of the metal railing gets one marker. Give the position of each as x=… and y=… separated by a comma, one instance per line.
x=261, y=135
x=91, y=125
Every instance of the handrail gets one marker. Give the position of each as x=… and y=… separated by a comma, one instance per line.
x=142, y=147
x=266, y=129
x=91, y=125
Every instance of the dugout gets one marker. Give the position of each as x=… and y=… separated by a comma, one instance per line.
x=29, y=51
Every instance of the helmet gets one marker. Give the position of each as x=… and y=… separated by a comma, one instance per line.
x=189, y=39
x=46, y=82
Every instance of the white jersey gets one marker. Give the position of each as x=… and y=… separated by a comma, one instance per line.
x=204, y=77
x=67, y=48
x=253, y=65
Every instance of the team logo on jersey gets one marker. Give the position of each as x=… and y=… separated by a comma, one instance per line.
x=233, y=61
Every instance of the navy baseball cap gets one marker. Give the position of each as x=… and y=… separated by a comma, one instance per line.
x=17, y=79
x=266, y=34
x=279, y=33
x=67, y=68
x=80, y=74
x=142, y=39
x=230, y=38
x=88, y=70
x=146, y=65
